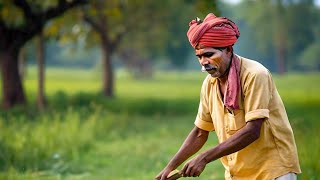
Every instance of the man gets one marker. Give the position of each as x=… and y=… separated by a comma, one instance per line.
x=239, y=101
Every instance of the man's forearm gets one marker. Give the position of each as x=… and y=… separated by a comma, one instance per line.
x=193, y=143
x=238, y=141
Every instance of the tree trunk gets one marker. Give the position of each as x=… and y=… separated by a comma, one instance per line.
x=22, y=63
x=280, y=37
x=280, y=46
x=281, y=60
x=12, y=88
x=41, y=100
x=107, y=74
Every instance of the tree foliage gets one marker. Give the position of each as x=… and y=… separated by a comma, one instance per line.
x=30, y=18
x=276, y=31
x=152, y=30
x=139, y=32
x=146, y=30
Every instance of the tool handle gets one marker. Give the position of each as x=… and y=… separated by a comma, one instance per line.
x=175, y=174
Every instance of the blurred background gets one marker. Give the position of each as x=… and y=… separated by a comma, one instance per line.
x=109, y=89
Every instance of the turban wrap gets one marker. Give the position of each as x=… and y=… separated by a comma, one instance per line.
x=213, y=32
x=219, y=32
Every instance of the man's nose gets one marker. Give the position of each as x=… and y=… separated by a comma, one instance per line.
x=204, y=61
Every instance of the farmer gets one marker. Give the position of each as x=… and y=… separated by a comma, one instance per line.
x=240, y=102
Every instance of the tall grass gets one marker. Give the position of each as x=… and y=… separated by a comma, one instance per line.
x=83, y=135
x=47, y=141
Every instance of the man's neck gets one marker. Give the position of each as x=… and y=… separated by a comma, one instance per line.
x=223, y=80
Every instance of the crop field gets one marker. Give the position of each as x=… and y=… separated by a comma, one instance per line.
x=83, y=135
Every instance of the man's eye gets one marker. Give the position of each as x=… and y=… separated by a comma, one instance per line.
x=208, y=54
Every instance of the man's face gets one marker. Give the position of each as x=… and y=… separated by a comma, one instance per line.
x=215, y=61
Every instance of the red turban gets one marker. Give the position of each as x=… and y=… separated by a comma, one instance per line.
x=213, y=32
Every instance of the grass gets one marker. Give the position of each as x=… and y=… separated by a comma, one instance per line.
x=82, y=135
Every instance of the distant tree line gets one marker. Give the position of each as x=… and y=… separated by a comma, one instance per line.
x=141, y=29
x=282, y=34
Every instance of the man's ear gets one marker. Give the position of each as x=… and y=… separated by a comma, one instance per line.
x=230, y=49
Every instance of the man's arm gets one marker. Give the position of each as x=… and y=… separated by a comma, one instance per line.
x=193, y=143
x=236, y=142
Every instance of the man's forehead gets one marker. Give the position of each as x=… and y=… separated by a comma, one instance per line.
x=204, y=50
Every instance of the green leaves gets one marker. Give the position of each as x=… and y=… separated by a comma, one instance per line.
x=279, y=30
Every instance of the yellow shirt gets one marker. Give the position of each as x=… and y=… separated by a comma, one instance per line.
x=275, y=152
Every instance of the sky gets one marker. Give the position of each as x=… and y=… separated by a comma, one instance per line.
x=317, y=2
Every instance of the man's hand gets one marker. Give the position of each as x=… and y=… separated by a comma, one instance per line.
x=195, y=140
x=163, y=174
x=173, y=175
x=194, y=167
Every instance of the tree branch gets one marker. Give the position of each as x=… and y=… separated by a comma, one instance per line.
x=96, y=26
x=116, y=41
x=98, y=5
x=36, y=20
x=62, y=6
x=24, y=6
x=3, y=29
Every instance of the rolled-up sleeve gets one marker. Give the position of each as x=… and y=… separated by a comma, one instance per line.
x=257, y=95
x=204, y=124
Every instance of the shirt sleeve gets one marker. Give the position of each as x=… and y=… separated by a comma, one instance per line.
x=257, y=95
x=203, y=119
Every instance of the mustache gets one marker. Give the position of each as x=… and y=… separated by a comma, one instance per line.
x=208, y=67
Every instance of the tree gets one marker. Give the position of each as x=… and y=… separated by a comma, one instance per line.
x=113, y=23
x=301, y=37
x=40, y=51
x=137, y=33
x=270, y=27
x=276, y=26
x=309, y=59
x=13, y=35
x=141, y=30
x=98, y=19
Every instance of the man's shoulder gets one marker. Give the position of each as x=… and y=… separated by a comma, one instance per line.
x=252, y=67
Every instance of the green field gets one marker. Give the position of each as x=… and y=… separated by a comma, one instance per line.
x=82, y=135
